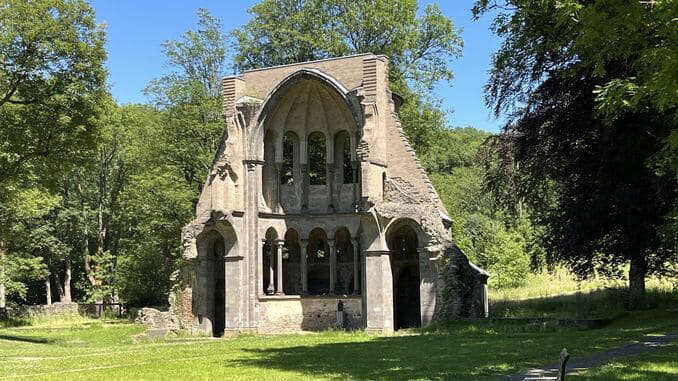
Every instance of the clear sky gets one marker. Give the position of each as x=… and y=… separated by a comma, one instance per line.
x=135, y=30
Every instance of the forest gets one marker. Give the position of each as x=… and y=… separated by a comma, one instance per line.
x=584, y=175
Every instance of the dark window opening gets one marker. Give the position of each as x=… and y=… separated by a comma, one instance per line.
x=317, y=160
x=287, y=169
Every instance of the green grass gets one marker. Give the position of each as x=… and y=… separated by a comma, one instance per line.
x=457, y=350
x=559, y=295
x=659, y=365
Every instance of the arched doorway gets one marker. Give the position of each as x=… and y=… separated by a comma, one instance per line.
x=214, y=246
x=403, y=243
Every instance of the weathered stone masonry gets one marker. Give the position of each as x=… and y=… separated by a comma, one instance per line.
x=315, y=197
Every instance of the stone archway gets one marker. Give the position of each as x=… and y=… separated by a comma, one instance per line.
x=214, y=246
x=403, y=243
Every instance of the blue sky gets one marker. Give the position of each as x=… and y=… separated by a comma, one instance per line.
x=135, y=30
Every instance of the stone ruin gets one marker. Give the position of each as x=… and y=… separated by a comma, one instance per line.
x=315, y=197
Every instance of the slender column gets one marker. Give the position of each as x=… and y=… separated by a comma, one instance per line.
x=271, y=255
x=329, y=173
x=304, y=186
x=356, y=265
x=304, y=272
x=278, y=168
x=333, y=265
x=354, y=168
x=279, y=246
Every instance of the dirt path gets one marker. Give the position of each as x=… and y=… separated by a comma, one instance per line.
x=594, y=360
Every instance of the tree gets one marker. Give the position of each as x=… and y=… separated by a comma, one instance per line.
x=419, y=48
x=190, y=99
x=52, y=80
x=587, y=121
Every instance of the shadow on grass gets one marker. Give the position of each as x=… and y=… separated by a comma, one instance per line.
x=399, y=357
x=25, y=339
x=452, y=350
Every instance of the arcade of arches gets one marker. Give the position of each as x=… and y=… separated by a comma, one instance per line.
x=316, y=212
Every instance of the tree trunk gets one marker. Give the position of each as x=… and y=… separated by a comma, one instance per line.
x=59, y=287
x=2, y=275
x=48, y=290
x=67, y=281
x=637, y=273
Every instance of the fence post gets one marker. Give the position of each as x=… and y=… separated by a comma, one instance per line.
x=564, y=356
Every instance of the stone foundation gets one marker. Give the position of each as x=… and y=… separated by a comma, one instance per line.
x=308, y=313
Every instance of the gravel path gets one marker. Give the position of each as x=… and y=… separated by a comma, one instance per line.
x=550, y=372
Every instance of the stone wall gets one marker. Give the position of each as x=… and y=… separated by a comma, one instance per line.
x=292, y=314
x=40, y=310
x=465, y=287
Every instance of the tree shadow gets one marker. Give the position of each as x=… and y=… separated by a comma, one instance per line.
x=26, y=339
x=429, y=356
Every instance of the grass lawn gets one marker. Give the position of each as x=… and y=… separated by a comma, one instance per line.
x=459, y=350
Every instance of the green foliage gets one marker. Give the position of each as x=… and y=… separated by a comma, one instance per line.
x=52, y=82
x=591, y=89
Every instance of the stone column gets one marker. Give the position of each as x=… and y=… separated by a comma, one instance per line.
x=356, y=196
x=277, y=208
x=303, y=244
x=279, y=243
x=304, y=186
x=329, y=173
x=333, y=265
x=271, y=288
x=356, y=264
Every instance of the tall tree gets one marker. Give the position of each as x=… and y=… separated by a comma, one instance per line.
x=52, y=81
x=592, y=102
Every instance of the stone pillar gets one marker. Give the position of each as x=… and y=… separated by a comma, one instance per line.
x=279, y=246
x=304, y=186
x=329, y=173
x=356, y=266
x=303, y=244
x=271, y=288
x=378, y=294
x=356, y=193
x=278, y=207
x=333, y=265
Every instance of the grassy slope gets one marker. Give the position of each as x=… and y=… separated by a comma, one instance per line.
x=466, y=351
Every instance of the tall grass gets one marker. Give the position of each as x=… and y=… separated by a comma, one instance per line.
x=560, y=295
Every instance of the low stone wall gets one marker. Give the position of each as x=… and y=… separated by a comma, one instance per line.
x=308, y=313
x=40, y=310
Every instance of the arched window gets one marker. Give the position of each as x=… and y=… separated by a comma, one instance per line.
x=318, y=263
x=317, y=157
x=346, y=265
x=268, y=184
x=288, y=158
x=342, y=158
x=291, y=258
x=346, y=155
